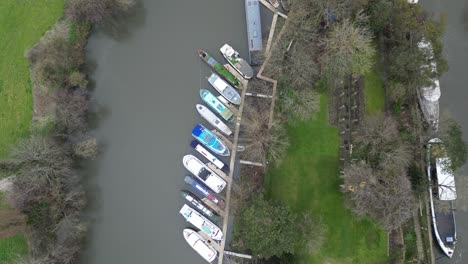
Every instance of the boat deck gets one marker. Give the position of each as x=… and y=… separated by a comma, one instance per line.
x=446, y=225
x=245, y=68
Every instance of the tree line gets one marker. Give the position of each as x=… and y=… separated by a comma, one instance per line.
x=47, y=187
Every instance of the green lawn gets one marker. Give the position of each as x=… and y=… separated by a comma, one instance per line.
x=374, y=92
x=12, y=247
x=307, y=180
x=22, y=23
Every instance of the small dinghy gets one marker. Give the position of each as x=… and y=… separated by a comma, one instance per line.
x=213, y=119
x=224, y=89
x=200, y=245
x=201, y=222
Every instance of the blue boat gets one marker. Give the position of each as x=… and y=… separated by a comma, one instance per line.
x=216, y=105
x=210, y=140
x=203, y=190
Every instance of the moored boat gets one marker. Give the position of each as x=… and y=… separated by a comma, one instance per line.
x=203, y=190
x=239, y=64
x=216, y=105
x=200, y=245
x=197, y=203
x=203, y=173
x=274, y=3
x=212, y=158
x=442, y=195
x=210, y=140
x=213, y=119
x=226, y=90
x=217, y=67
x=201, y=222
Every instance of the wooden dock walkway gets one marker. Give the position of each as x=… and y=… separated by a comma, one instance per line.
x=231, y=173
x=234, y=144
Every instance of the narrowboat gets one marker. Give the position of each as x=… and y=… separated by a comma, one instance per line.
x=203, y=190
x=216, y=105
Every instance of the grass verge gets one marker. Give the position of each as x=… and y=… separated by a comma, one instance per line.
x=307, y=180
x=12, y=247
x=374, y=92
x=22, y=23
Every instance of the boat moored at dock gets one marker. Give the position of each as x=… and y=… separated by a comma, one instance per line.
x=197, y=203
x=210, y=140
x=203, y=173
x=216, y=105
x=213, y=119
x=239, y=64
x=212, y=158
x=201, y=222
x=217, y=67
x=442, y=195
x=200, y=245
x=226, y=90
x=203, y=190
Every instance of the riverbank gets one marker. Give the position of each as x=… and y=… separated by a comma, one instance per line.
x=21, y=27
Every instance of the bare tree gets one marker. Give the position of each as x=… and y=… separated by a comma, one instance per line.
x=86, y=148
x=262, y=143
x=298, y=104
x=72, y=106
x=348, y=50
x=378, y=142
x=96, y=11
x=384, y=195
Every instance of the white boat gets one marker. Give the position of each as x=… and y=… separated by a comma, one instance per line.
x=202, y=150
x=224, y=89
x=442, y=196
x=203, y=173
x=200, y=245
x=201, y=222
x=213, y=119
x=238, y=63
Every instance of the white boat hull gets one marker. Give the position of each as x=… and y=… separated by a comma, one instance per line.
x=200, y=245
x=213, y=119
x=201, y=222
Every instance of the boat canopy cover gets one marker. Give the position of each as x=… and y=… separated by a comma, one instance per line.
x=220, y=84
x=197, y=130
x=445, y=180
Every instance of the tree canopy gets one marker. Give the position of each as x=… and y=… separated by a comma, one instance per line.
x=271, y=229
x=348, y=50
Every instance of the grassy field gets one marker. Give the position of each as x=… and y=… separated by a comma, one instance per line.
x=12, y=247
x=375, y=94
x=22, y=23
x=307, y=180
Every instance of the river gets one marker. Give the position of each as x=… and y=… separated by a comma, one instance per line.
x=147, y=85
x=455, y=94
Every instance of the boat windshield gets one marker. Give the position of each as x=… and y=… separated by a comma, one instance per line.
x=207, y=138
x=203, y=174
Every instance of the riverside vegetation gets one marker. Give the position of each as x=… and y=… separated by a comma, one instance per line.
x=46, y=186
x=323, y=44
